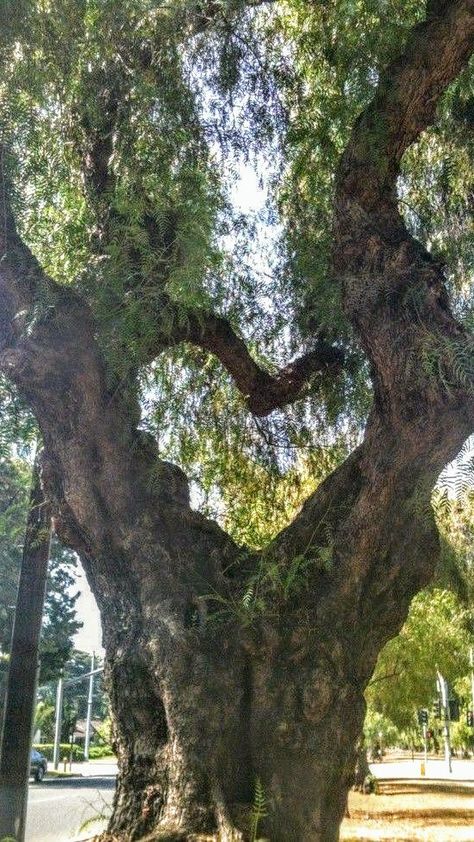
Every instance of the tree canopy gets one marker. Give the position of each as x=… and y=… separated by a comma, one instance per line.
x=435, y=636
x=149, y=118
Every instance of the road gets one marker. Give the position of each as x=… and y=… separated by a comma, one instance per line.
x=58, y=807
x=436, y=769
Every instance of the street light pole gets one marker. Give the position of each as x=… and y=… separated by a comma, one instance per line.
x=443, y=690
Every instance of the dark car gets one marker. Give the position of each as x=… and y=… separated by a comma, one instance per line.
x=38, y=765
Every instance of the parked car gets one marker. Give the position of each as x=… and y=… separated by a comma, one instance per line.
x=38, y=765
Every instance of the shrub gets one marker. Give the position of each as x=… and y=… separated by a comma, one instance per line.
x=370, y=784
x=96, y=752
x=64, y=751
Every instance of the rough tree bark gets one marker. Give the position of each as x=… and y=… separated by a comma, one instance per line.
x=202, y=708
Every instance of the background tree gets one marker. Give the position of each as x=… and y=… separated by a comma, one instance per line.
x=139, y=321
x=438, y=632
x=75, y=696
x=75, y=699
x=433, y=637
x=456, y=518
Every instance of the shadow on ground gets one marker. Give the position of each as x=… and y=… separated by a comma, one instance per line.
x=404, y=811
x=102, y=782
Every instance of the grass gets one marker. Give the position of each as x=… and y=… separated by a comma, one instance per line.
x=405, y=811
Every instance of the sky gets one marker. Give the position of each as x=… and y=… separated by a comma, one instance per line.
x=89, y=638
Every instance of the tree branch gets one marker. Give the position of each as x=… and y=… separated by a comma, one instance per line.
x=405, y=103
x=263, y=392
x=20, y=272
x=373, y=512
x=394, y=291
x=385, y=677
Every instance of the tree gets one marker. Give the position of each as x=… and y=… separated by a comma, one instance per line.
x=227, y=665
x=75, y=697
x=60, y=622
x=435, y=636
x=456, y=568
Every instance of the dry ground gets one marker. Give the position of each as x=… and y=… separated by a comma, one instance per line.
x=432, y=811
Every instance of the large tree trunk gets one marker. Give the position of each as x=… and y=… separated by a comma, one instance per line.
x=204, y=707
x=205, y=704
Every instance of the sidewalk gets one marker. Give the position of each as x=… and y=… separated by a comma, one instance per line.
x=91, y=768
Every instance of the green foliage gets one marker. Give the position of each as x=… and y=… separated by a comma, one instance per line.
x=104, y=733
x=65, y=750
x=338, y=51
x=272, y=584
x=454, y=509
x=76, y=694
x=102, y=811
x=449, y=361
x=435, y=188
x=132, y=202
x=259, y=809
x=60, y=622
x=435, y=636
x=97, y=752
x=379, y=729
x=461, y=737
x=45, y=720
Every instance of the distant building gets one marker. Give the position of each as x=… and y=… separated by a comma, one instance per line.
x=79, y=734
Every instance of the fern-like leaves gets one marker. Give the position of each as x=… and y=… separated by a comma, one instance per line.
x=259, y=809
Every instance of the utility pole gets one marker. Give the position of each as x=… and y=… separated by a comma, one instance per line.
x=89, y=709
x=23, y=668
x=59, y=708
x=58, y=721
x=444, y=695
x=423, y=721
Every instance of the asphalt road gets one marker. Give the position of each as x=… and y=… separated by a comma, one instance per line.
x=58, y=807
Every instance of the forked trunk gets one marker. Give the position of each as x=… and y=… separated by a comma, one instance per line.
x=237, y=720
x=224, y=727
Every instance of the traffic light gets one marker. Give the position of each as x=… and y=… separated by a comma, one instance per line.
x=454, y=710
x=470, y=719
x=437, y=709
x=422, y=716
